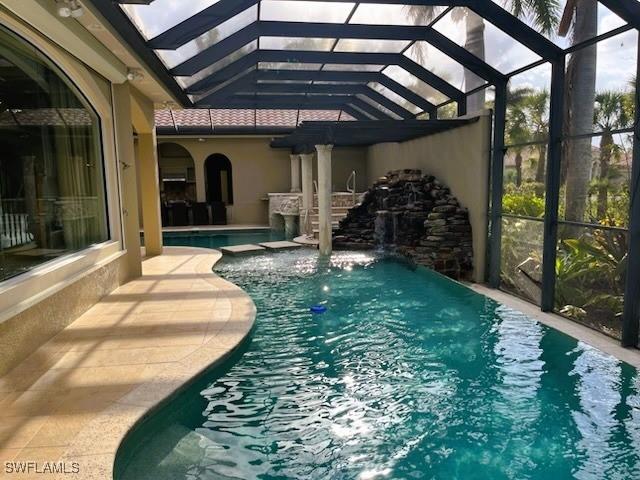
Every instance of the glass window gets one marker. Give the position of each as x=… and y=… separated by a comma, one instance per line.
x=186, y=82
x=596, y=179
x=299, y=43
x=160, y=15
x=385, y=14
x=414, y=84
x=484, y=40
x=444, y=66
x=521, y=258
x=450, y=110
x=524, y=180
x=597, y=73
x=366, y=114
x=377, y=106
x=547, y=25
x=171, y=58
x=370, y=45
x=394, y=97
x=590, y=276
x=288, y=66
x=305, y=11
x=52, y=194
x=348, y=67
x=528, y=106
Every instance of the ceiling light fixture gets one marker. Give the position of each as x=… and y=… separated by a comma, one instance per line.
x=70, y=8
x=134, y=75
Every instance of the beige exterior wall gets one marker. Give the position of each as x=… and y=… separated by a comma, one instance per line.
x=259, y=169
x=460, y=159
x=36, y=305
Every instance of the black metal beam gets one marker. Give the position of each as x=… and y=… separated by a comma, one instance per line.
x=278, y=56
x=200, y=23
x=327, y=30
x=631, y=311
x=285, y=88
x=628, y=10
x=116, y=17
x=224, y=10
x=552, y=198
x=497, y=174
x=334, y=76
x=518, y=30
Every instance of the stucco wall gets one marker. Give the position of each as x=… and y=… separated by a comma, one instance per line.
x=460, y=159
x=259, y=169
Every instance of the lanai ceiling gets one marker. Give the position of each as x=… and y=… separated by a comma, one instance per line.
x=373, y=59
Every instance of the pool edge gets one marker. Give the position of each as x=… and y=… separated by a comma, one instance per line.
x=573, y=329
x=97, y=445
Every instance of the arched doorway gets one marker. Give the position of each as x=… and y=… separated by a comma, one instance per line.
x=218, y=172
x=176, y=171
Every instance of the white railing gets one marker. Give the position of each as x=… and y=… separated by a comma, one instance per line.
x=14, y=224
x=352, y=190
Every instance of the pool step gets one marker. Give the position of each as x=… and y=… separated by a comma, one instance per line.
x=282, y=245
x=250, y=248
x=242, y=249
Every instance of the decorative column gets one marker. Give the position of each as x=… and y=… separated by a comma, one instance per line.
x=150, y=193
x=295, y=173
x=324, y=197
x=307, y=191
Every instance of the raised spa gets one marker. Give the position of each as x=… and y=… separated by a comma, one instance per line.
x=406, y=375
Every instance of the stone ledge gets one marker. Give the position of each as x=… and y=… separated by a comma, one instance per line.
x=78, y=396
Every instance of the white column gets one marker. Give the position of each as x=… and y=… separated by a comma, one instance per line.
x=307, y=190
x=295, y=173
x=324, y=197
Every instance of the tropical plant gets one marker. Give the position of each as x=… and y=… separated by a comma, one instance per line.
x=590, y=272
x=537, y=106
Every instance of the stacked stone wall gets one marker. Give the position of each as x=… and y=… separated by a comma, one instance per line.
x=414, y=215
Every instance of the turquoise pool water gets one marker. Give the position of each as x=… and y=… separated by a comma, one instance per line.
x=217, y=239
x=407, y=375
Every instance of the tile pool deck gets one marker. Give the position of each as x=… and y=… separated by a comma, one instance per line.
x=76, y=397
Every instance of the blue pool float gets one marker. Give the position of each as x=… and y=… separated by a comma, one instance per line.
x=318, y=309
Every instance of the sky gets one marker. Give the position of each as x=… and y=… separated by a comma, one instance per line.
x=616, y=56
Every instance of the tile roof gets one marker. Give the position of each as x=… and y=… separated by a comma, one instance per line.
x=188, y=120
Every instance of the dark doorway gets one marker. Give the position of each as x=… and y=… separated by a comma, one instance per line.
x=219, y=179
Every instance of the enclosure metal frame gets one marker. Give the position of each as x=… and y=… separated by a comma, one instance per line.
x=230, y=87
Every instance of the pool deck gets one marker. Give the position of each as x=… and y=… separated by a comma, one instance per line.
x=77, y=396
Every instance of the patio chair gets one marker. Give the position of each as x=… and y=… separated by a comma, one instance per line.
x=200, y=213
x=180, y=214
x=219, y=213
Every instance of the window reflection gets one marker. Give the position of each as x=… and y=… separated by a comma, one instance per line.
x=52, y=197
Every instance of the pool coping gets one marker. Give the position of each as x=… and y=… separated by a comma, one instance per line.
x=95, y=447
x=575, y=330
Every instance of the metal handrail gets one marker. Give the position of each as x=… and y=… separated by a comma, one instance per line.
x=352, y=190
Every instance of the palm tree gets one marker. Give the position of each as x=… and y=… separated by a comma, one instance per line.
x=611, y=112
x=580, y=98
x=537, y=106
x=543, y=13
x=517, y=130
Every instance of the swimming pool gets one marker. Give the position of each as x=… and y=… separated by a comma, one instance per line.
x=219, y=238
x=407, y=375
